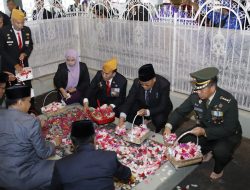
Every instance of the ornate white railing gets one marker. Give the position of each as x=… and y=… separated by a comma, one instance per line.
x=175, y=46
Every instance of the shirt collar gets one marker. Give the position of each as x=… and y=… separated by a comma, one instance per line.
x=211, y=97
x=110, y=80
x=16, y=31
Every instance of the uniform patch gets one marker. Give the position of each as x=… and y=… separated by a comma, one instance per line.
x=217, y=115
x=198, y=109
x=115, y=92
x=225, y=99
x=27, y=42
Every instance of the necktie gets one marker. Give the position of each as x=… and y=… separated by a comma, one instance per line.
x=207, y=103
x=108, y=88
x=147, y=92
x=20, y=45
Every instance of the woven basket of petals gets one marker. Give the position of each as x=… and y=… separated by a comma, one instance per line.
x=137, y=134
x=184, y=154
x=53, y=108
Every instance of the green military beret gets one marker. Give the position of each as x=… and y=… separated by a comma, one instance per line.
x=204, y=76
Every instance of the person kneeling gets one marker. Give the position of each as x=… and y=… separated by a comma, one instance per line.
x=87, y=167
x=22, y=148
x=218, y=126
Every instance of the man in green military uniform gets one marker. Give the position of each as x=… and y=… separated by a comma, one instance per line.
x=218, y=127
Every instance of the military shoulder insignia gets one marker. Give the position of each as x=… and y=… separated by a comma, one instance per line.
x=225, y=99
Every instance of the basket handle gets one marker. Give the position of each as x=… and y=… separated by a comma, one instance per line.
x=183, y=134
x=133, y=123
x=52, y=91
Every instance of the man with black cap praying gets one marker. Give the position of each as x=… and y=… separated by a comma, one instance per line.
x=149, y=97
x=218, y=126
x=87, y=168
x=3, y=81
x=22, y=148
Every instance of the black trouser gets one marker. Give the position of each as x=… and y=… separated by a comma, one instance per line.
x=222, y=149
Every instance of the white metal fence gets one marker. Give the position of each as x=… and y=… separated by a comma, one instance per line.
x=176, y=43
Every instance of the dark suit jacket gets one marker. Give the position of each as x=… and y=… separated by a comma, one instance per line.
x=9, y=47
x=88, y=169
x=97, y=90
x=222, y=102
x=46, y=14
x=61, y=78
x=159, y=101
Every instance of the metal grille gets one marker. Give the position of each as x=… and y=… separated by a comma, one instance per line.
x=176, y=42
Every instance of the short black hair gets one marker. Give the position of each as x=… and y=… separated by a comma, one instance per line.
x=83, y=140
x=10, y=102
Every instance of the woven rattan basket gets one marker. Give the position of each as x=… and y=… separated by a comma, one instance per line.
x=136, y=140
x=183, y=163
